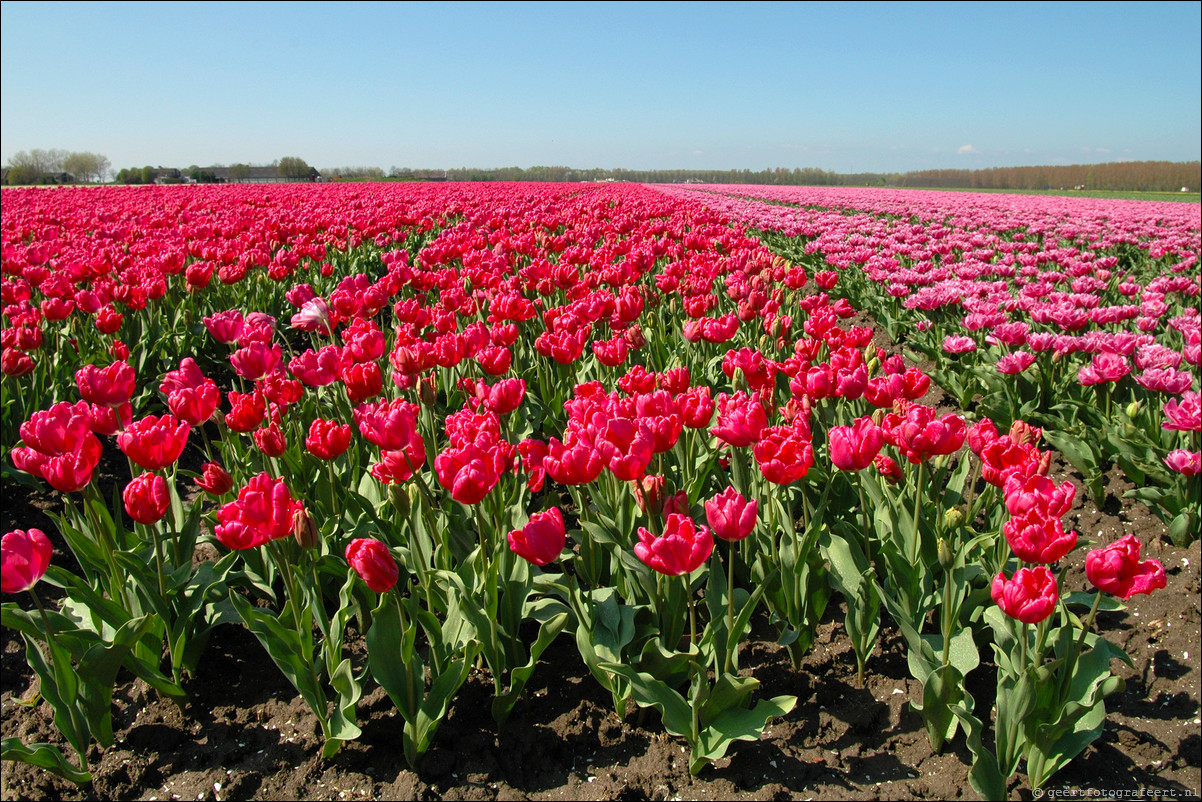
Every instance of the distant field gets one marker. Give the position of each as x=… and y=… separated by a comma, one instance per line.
x=1182, y=197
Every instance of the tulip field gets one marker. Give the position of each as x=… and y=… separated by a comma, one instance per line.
x=598, y=490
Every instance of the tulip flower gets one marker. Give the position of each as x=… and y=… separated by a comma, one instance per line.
x=1038, y=494
x=108, y=387
x=226, y=326
x=741, y=418
x=470, y=473
x=1036, y=538
x=396, y=466
x=247, y=411
x=327, y=439
x=270, y=440
x=147, y=498
x=1117, y=569
x=154, y=443
x=1104, y=368
x=681, y=549
x=1030, y=596
x=1186, y=463
x=731, y=516
x=783, y=454
x=1184, y=414
x=214, y=480
x=854, y=447
x=542, y=538
x=262, y=512
x=256, y=360
x=373, y=563
x=24, y=558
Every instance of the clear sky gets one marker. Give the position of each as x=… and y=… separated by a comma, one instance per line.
x=847, y=87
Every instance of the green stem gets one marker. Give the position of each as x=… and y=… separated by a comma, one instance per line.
x=914, y=548
x=732, y=643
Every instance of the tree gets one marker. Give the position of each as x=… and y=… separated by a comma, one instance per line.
x=149, y=174
x=36, y=166
x=87, y=167
x=293, y=168
x=239, y=172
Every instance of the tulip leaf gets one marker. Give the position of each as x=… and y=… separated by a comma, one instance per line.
x=651, y=692
x=736, y=724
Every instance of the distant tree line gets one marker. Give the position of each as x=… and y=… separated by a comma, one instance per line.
x=55, y=166
x=60, y=166
x=1132, y=176
x=1145, y=176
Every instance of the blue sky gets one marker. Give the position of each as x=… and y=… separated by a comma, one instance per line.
x=838, y=86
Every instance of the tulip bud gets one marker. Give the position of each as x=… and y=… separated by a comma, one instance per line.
x=953, y=518
x=873, y=364
x=304, y=529
x=946, y=558
x=398, y=497
x=1133, y=409
x=427, y=391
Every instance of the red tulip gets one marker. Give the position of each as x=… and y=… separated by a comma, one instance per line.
x=854, y=447
x=24, y=558
x=247, y=411
x=214, y=480
x=373, y=563
x=625, y=446
x=470, y=473
x=1029, y=597
x=362, y=381
x=572, y=462
x=1038, y=539
x=111, y=386
x=328, y=439
x=396, y=466
x=730, y=515
x=389, y=425
x=318, y=368
x=154, y=443
x=270, y=440
x=1117, y=569
x=682, y=548
x=919, y=435
x=16, y=363
x=262, y=512
x=1038, y=494
x=783, y=454
x=740, y=419
x=542, y=539
x=147, y=498
x=256, y=360
x=696, y=407
x=226, y=326
x=506, y=395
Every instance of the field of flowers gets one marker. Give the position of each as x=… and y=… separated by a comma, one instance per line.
x=407, y=436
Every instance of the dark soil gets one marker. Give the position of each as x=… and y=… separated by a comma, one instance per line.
x=246, y=734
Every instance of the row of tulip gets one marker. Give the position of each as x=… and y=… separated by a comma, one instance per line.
x=1081, y=315
x=497, y=416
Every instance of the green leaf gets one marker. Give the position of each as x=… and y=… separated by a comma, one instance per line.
x=648, y=691
x=736, y=724
x=45, y=756
x=943, y=688
x=283, y=645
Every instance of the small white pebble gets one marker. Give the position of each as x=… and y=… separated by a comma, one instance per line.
x=216, y=786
